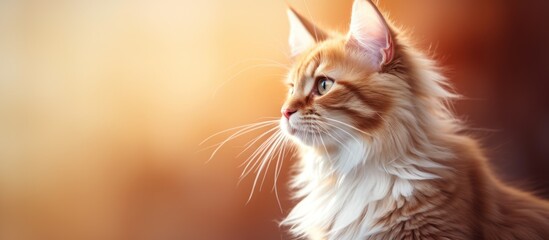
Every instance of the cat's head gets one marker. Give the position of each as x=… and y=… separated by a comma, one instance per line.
x=341, y=86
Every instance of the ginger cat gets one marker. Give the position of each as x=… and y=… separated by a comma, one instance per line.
x=381, y=154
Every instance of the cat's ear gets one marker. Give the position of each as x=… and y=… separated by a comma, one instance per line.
x=370, y=33
x=303, y=34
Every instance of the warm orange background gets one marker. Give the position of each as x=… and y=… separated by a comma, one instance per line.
x=103, y=104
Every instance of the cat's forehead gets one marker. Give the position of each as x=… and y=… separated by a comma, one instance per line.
x=302, y=78
x=315, y=62
x=328, y=59
x=303, y=75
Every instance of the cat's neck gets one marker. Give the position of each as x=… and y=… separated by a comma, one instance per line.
x=345, y=191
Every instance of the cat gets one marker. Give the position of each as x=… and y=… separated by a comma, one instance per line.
x=381, y=156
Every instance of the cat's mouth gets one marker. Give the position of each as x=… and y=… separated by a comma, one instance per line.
x=287, y=127
x=319, y=131
x=303, y=131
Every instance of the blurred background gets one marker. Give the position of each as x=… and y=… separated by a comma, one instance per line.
x=103, y=105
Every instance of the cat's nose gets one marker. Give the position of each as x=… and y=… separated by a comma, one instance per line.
x=287, y=112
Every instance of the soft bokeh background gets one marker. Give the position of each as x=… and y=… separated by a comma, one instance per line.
x=103, y=105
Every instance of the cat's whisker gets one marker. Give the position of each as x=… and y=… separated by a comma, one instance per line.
x=253, y=141
x=256, y=159
x=278, y=168
x=257, y=154
x=270, y=158
x=253, y=159
x=324, y=145
x=237, y=134
x=343, y=130
x=307, y=136
x=311, y=137
x=271, y=118
x=234, y=128
x=325, y=130
x=264, y=161
x=335, y=137
x=348, y=125
x=242, y=132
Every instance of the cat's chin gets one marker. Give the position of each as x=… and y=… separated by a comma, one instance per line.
x=303, y=137
x=296, y=135
x=288, y=129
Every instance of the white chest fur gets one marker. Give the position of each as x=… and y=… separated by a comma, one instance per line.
x=343, y=195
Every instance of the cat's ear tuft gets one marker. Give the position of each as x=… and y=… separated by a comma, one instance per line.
x=303, y=34
x=370, y=33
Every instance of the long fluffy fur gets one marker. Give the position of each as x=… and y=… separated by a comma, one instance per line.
x=409, y=173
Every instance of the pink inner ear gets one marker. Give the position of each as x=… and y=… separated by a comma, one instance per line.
x=388, y=51
x=370, y=33
x=299, y=39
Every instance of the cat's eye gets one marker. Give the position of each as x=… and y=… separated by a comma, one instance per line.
x=291, y=91
x=324, y=84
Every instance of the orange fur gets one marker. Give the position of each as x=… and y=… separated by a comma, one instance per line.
x=400, y=112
